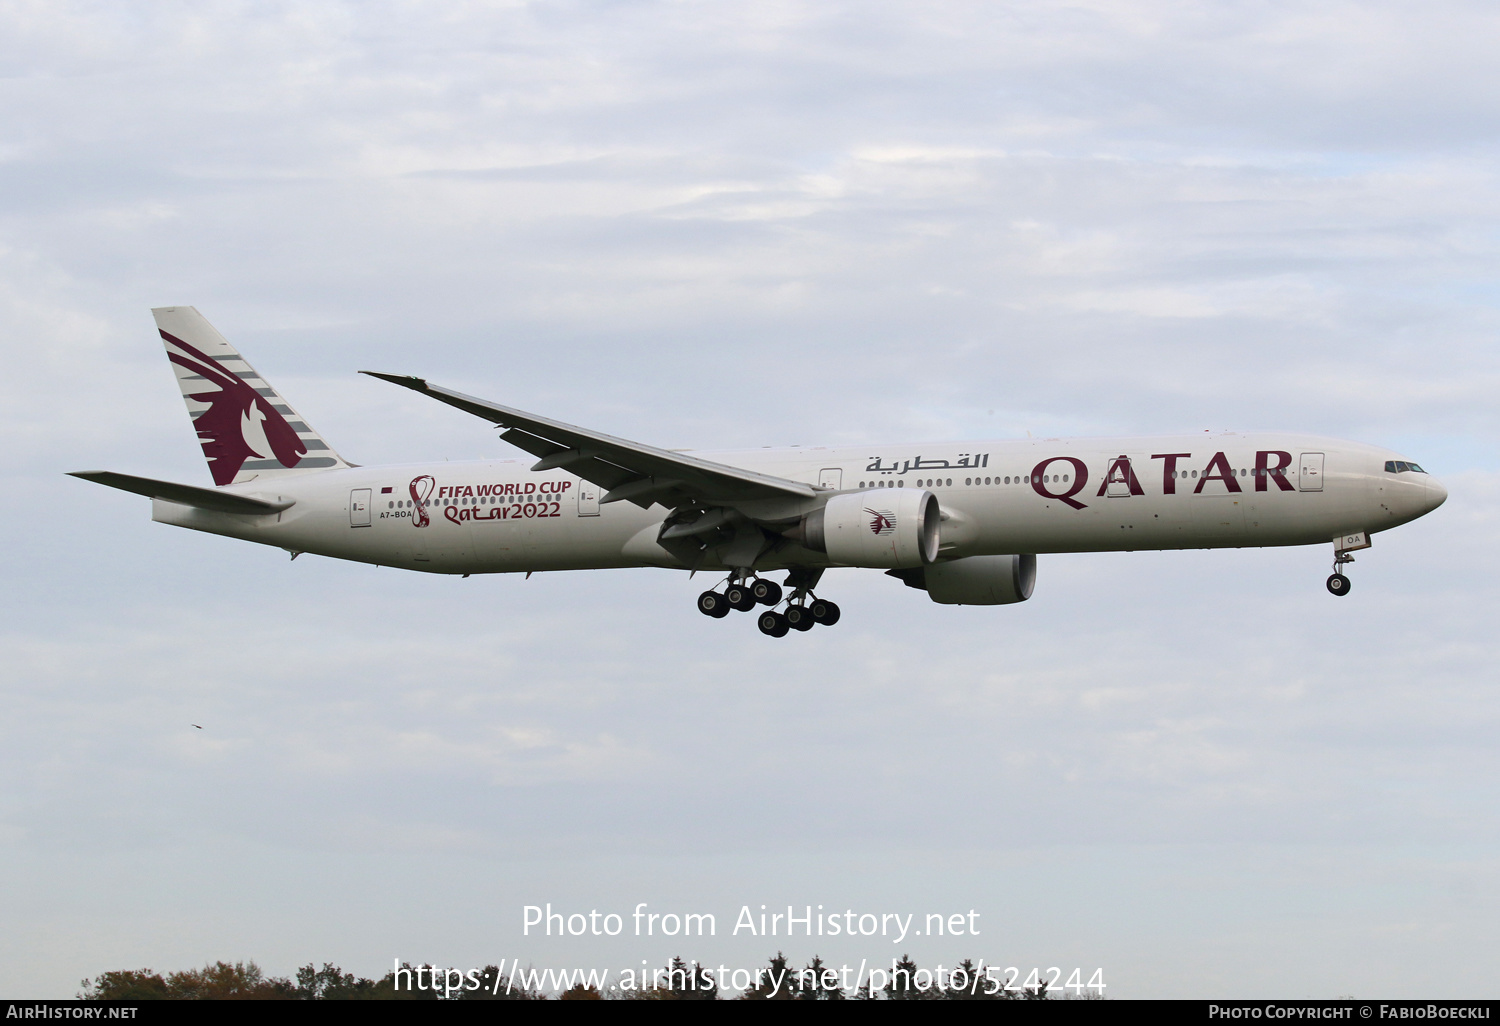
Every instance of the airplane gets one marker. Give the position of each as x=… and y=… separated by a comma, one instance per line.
x=962, y=521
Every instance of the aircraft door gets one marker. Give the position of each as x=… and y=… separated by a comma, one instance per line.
x=359, y=507
x=1310, y=474
x=1118, y=478
x=831, y=477
x=588, y=498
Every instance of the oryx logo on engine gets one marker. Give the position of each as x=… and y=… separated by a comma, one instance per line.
x=882, y=521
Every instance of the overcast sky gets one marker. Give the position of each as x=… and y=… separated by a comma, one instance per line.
x=700, y=225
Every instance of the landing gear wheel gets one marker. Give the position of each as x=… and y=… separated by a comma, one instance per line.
x=767, y=593
x=772, y=623
x=711, y=603
x=824, y=612
x=740, y=597
x=1338, y=584
x=798, y=618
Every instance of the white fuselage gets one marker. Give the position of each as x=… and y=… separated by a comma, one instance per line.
x=1002, y=497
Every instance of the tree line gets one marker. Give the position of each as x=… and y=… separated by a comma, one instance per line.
x=680, y=980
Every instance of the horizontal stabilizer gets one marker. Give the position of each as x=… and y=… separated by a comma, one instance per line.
x=183, y=495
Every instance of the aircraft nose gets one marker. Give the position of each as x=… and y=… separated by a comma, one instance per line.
x=1436, y=494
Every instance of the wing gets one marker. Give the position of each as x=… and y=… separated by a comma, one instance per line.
x=626, y=470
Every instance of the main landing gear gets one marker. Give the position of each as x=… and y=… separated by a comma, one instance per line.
x=743, y=592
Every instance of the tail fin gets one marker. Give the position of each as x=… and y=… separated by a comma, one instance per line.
x=246, y=427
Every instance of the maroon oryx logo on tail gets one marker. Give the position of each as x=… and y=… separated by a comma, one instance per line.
x=882, y=521
x=239, y=421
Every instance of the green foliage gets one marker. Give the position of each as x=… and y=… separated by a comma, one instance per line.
x=679, y=981
x=125, y=985
x=507, y=990
x=331, y=983
x=777, y=982
x=967, y=982
x=816, y=984
x=1037, y=993
x=903, y=984
x=220, y=981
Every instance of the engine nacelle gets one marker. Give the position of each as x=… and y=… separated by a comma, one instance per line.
x=975, y=580
x=882, y=527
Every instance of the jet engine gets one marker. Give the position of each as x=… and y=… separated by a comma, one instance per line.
x=975, y=580
x=883, y=527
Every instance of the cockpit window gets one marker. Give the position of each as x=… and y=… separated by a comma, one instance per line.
x=1414, y=468
x=1401, y=467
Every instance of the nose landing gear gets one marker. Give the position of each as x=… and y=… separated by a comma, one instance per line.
x=1338, y=584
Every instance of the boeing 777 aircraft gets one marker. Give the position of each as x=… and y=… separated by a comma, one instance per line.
x=962, y=521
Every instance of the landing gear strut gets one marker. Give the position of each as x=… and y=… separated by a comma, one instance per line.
x=743, y=591
x=800, y=615
x=1338, y=584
